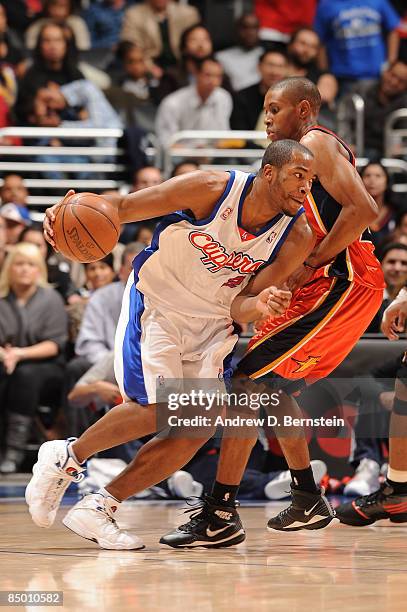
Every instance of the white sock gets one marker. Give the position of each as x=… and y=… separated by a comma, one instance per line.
x=396, y=475
x=71, y=453
x=105, y=493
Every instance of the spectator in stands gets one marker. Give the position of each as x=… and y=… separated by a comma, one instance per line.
x=15, y=220
x=134, y=96
x=14, y=190
x=195, y=45
x=156, y=26
x=12, y=51
x=380, y=101
x=394, y=265
x=184, y=167
x=20, y=14
x=31, y=354
x=202, y=106
x=240, y=62
x=58, y=275
x=280, y=18
x=144, y=233
x=98, y=385
x=8, y=95
x=400, y=232
x=104, y=20
x=54, y=62
x=97, y=275
x=3, y=241
x=148, y=176
x=376, y=179
x=99, y=320
x=303, y=50
x=248, y=103
x=359, y=37
x=79, y=104
x=61, y=12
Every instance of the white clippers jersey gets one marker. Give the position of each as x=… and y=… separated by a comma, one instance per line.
x=198, y=267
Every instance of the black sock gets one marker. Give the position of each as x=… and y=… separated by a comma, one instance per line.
x=400, y=488
x=224, y=494
x=303, y=480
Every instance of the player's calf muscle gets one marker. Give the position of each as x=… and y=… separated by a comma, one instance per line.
x=125, y=422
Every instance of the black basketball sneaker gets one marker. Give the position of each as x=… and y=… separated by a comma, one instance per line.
x=307, y=511
x=382, y=504
x=210, y=525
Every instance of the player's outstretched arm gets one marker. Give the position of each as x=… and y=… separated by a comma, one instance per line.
x=395, y=315
x=197, y=191
x=342, y=182
x=267, y=293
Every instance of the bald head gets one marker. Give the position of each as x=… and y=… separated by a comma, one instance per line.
x=281, y=152
x=297, y=89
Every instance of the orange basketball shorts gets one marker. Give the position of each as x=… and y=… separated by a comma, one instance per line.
x=323, y=323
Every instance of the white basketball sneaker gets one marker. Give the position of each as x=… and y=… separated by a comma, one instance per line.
x=52, y=475
x=365, y=480
x=92, y=518
x=279, y=487
x=181, y=484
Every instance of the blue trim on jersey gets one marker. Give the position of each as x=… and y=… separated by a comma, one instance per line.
x=133, y=377
x=284, y=236
x=264, y=229
x=153, y=247
x=218, y=204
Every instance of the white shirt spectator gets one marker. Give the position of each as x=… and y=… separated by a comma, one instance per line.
x=185, y=110
x=240, y=65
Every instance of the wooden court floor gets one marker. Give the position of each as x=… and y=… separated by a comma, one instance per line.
x=335, y=569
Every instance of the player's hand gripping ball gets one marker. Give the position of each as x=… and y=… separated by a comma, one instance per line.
x=84, y=227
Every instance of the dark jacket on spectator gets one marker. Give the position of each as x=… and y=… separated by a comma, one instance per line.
x=247, y=106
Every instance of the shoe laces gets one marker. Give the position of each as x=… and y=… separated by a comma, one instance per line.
x=198, y=513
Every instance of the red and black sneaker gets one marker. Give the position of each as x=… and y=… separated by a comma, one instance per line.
x=382, y=504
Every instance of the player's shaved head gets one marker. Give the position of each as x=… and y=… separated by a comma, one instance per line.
x=281, y=152
x=297, y=89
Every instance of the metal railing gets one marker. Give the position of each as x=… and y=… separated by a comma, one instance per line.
x=351, y=121
x=218, y=150
x=100, y=166
x=395, y=139
x=200, y=147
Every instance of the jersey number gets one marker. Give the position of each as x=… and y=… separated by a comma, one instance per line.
x=234, y=282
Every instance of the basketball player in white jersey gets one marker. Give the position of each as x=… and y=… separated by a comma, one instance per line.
x=175, y=321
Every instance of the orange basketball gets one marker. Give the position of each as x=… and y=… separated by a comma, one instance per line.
x=86, y=227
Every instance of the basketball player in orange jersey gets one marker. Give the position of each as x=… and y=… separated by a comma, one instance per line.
x=339, y=290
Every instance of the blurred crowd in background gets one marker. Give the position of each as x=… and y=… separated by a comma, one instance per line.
x=156, y=67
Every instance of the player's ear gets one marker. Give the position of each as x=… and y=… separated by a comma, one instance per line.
x=304, y=109
x=268, y=171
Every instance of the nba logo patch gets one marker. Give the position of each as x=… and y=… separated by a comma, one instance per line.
x=271, y=237
x=160, y=380
x=226, y=213
x=220, y=374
